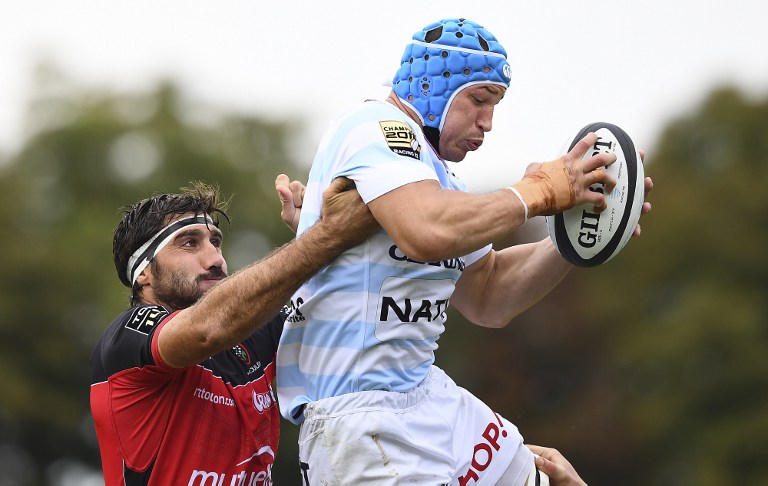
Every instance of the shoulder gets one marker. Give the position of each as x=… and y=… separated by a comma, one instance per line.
x=378, y=125
x=373, y=114
x=126, y=343
x=143, y=319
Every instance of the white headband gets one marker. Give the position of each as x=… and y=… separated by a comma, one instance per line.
x=141, y=257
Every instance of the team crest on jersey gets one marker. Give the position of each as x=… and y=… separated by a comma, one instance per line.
x=145, y=318
x=400, y=138
x=241, y=353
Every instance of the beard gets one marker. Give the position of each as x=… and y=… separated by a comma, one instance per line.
x=176, y=291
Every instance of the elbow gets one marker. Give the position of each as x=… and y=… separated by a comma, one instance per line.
x=211, y=341
x=211, y=335
x=488, y=315
x=431, y=247
x=492, y=322
x=498, y=323
x=423, y=255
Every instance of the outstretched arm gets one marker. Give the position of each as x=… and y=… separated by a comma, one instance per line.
x=243, y=302
x=430, y=223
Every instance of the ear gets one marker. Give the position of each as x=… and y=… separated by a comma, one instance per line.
x=145, y=277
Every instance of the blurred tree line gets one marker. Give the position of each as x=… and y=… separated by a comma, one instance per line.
x=646, y=371
x=91, y=152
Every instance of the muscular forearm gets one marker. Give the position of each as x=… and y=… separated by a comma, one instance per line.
x=243, y=302
x=430, y=223
x=240, y=304
x=256, y=293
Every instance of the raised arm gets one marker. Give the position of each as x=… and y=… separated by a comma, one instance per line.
x=243, y=302
x=430, y=223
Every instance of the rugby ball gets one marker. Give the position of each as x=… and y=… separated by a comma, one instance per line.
x=586, y=238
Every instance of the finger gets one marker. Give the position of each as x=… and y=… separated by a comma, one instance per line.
x=597, y=199
x=282, y=180
x=602, y=176
x=297, y=189
x=580, y=149
x=601, y=206
x=285, y=195
x=648, y=185
x=547, y=467
x=538, y=450
x=546, y=452
x=283, y=190
x=545, y=462
x=597, y=175
x=335, y=191
x=603, y=159
x=642, y=154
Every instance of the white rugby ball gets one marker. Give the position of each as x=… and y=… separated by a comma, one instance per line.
x=586, y=238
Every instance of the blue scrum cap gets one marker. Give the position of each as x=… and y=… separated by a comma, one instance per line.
x=444, y=58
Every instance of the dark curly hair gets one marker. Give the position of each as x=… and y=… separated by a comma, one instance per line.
x=145, y=218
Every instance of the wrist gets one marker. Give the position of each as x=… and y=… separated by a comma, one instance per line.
x=548, y=190
x=522, y=201
x=322, y=238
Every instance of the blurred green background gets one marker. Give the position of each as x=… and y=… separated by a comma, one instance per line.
x=649, y=370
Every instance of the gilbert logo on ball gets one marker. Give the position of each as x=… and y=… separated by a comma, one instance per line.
x=586, y=238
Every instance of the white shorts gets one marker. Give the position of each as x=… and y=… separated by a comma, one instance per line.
x=537, y=478
x=436, y=434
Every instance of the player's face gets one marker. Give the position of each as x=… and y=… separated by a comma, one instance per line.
x=469, y=117
x=188, y=266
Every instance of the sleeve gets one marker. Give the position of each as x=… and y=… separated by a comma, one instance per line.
x=128, y=342
x=382, y=155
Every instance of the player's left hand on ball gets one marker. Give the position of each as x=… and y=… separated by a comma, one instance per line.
x=586, y=171
x=646, y=205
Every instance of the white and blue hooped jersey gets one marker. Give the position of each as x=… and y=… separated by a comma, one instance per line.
x=371, y=319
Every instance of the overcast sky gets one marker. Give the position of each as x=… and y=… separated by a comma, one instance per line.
x=635, y=63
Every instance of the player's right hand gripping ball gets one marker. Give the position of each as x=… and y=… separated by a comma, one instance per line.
x=586, y=238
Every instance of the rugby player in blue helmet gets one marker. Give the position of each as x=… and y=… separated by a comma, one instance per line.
x=442, y=60
x=356, y=367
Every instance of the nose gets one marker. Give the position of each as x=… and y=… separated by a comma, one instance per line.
x=485, y=119
x=212, y=256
